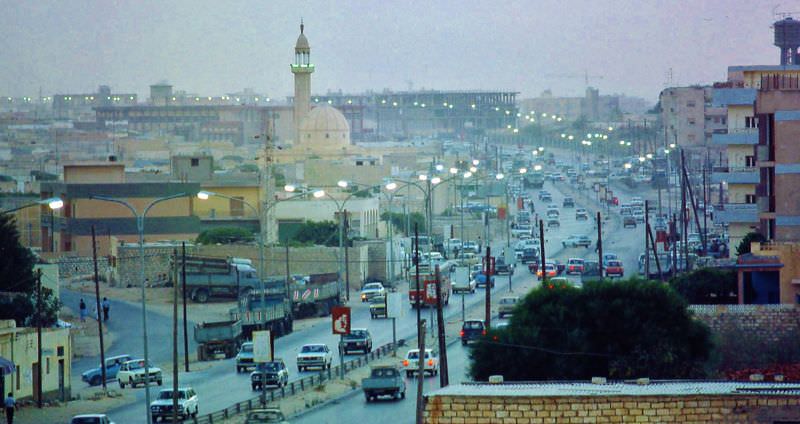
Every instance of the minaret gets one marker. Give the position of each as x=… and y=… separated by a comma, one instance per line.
x=302, y=68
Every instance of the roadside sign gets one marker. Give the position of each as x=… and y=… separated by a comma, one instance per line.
x=430, y=292
x=394, y=305
x=261, y=346
x=341, y=319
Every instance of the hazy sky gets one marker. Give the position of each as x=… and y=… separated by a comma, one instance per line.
x=216, y=47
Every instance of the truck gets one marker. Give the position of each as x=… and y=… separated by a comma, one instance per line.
x=427, y=293
x=208, y=277
x=384, y=381
x=221, y=338
x=314, y=294
x=275, y=314
x=534, y=180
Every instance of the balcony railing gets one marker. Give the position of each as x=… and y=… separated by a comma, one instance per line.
x=736, y=213
x=735, y=174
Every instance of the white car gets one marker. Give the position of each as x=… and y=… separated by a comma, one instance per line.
x=314, y=355
x=187, y=404
x=132, y=372
x=465, y=285
x=91, y=419
x=411, y=363
x=371, y=290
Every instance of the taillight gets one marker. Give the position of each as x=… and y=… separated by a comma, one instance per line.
x=405, y=362
x=430, y=362
x=483, y=332
x=461, y=333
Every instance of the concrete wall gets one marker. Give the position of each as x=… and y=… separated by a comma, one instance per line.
x=100, y=173
x=19, y=345
x=612, y=409
x=773, y=322
x=221, y=206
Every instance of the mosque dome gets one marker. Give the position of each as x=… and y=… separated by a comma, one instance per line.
x=302, y=43
x=325, y=126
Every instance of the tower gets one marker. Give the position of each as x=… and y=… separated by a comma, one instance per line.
x=787, y=38
x=302, y=68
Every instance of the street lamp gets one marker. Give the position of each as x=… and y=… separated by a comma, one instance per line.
x=140, y=228
x=53, y=203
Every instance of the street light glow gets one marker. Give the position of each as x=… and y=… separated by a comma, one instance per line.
x=319, y=193
x=642, y=158
x=622, y=142
x=500, y=176
x=537, y=167
x=203, y=195
x=541, y=149
x=423, y=177
x=467, y=174
x=439, y=167
x=627, y=166
x=611, y=128
x=54, y=203
x=671, y=145
x=436, y=180
x=391, y=186
x=289, y=188
x=342, y=183
x=473, y=169
x=475, y=162
x=523, y=170
x=454, y=170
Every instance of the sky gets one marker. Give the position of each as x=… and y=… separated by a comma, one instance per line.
x=216, y=47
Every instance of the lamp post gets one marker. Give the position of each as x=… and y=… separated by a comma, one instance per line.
x=140, y=228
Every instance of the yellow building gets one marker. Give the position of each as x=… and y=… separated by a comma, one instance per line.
x=19, y=347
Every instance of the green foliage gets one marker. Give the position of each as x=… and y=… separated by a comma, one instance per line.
x=225, y=235
x=248, y=167
x=707, y=286
x=18, y=280
x=627, y=329
x=399, y=221
x=323, y=233
x=744, y=245
x=279, y=178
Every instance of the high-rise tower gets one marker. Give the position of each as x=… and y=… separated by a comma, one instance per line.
x=302, y=68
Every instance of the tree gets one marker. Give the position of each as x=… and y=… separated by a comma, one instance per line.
x=323, y=233
x=707, y=286
x=225, y=235
x=18, y=281
x=627, y=329
x=399, y=221
x=744, y=245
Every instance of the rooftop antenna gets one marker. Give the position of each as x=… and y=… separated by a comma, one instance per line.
x=301, y=25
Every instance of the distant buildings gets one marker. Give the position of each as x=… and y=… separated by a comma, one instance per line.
x=689, y=119
x=81, y=106
x=592, y=106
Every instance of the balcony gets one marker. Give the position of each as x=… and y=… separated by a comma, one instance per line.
x=736, y=175
x=766, y=204
x=741, y=136
x=736, y=213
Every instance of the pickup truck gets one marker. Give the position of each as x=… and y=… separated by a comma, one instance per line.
x=314, y=355
x=132, y=372
x=187, y=404
x=384, y=381
x=359, y=339
x=94, y=376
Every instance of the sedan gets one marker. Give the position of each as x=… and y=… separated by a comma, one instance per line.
x=614, y=268
x=577, y=241
x=371, y=290
x=575, y=266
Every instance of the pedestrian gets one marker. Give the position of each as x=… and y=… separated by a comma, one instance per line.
x=83, y=311
x=106, y=307
x=11, y=405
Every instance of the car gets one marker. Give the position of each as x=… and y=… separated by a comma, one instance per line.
x=471, y=330
x=480, y=280
x=501, y=267
x=385, y=380
x=629, y=221
x=132, y=372
x=609, y=257
x=613, y=268
x=547, y=197
x=272, y=373
x=576, y=240
x=553, y=222
x=94, y=376
x=377, y=307
x=244, y=359
x=359, y=339
x=543, y=193
x=469, y=247
x=638, y=215
x=529, y=254
x=371, y=290
x=91, y=419
x=465, y=285
x=575, y=266
x=315, y=355
x=411, y=362
x=506, y=305
x=454, y=244
x=568, y=202
x=469, y=258
x=591, y=272
x=581, y=214
x=475, y=269
x=553, y=213
x=519, y=230
x=265, y=416
x=188, y=404
x=500, y=325
x=549, y=269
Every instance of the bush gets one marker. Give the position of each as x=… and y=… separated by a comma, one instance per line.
x=628, y=329
x=707, y=286
x=225, y=235
x=744, y=245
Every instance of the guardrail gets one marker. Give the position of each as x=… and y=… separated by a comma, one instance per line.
x=293, y=387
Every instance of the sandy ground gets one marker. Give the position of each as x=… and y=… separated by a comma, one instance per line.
x=84, y=335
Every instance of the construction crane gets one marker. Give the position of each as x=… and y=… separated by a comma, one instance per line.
x=585, y=76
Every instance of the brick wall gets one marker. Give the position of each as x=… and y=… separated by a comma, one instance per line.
x=773, y=322
x=611, y=409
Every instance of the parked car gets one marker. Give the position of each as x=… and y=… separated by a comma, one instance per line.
x=629, y=221
x=265, y=416
x=568, y=202
x=244, y=359
x=132, y=372
x=384, y=380
x=188, y=404
x=472, y=329
x=94, y=376
x=638, y=215
x=575, y=266
x=316, y=355
x=581, y=214
x=411, y=362
x=506, y=305
x=91, y=419
x=371, y=290
x=273, y=373
x=576, y=240
x=547, y=198
x=614, y=268
x=359, y=339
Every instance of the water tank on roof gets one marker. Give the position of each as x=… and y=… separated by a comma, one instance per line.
x=787, y=38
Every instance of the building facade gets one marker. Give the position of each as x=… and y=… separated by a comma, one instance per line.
x=19, y=346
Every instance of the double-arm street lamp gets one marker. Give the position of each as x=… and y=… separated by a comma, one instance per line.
x=140, y=217
x=53, y=203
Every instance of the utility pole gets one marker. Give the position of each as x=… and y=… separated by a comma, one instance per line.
x=185, y=331
x=443, y=377
x=346, y=257
x=175, y=338
x=541, y=250
x=39, y=338
x=684, y=215
x=647, y=240
x=655, y=256
x=99, y=320
x=418, y=299
x=600, y=243
x=421, y=372
x=488, y=286
x=673, y=230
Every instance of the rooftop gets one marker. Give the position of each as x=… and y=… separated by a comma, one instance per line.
x=620, y=388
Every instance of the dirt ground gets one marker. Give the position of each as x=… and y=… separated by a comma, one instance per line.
x=84, y=335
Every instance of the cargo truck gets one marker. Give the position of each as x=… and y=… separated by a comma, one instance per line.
x=427, y=293
x=208, y=277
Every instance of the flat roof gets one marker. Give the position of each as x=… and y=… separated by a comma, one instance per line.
x=764, y=68
x=620, y=388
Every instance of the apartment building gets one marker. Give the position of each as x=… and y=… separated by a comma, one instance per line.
x=690, y=119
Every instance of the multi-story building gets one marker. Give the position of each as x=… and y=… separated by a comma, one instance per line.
x=690, y=119
x=592, y=106
x=81, y=106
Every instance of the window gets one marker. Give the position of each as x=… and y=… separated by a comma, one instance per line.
x=237, y=206
x=359, y=163
x=18, y=367
x=690, y=103
x=60, y=351
x=691, y=121
x=750, y=122
x=47, y=365
x=750, y=198
x=750, y=161
x=195, y=162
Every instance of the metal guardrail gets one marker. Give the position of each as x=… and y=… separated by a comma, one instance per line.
x=293, y=387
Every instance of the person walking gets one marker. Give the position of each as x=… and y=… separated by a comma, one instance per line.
x=11, y=405
x=83, y=311
x=106, y=307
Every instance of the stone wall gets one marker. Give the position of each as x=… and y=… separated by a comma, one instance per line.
x=773, y=322
x=70, y=267
x=705, y=409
